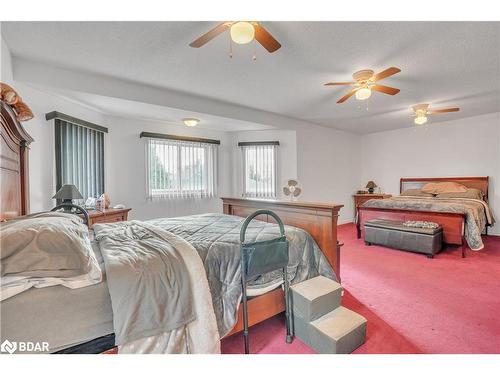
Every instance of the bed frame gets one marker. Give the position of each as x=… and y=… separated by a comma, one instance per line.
x=453, y=223
x=318, y=219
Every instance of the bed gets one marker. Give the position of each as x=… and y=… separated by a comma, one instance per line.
x=457, y=216
x=82, y=320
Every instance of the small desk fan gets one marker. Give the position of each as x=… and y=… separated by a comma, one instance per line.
x=292, y=190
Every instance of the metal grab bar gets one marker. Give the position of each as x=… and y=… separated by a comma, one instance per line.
x=256, y=259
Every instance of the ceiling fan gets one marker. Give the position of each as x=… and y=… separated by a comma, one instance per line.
x=421, y=111
x=241, y=32
x=365, y=81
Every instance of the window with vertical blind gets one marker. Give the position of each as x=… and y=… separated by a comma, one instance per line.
x=260, y=168
x=180, y=168
x=79, y=155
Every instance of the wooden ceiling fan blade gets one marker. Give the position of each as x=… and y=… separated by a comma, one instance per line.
x=205, y=38
x=339, y=83
x=347, y=96
x=385, y=73
x=265, y=38
x=444, y=110
x=385, y=89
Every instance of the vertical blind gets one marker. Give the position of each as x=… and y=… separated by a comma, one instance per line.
x=260, y=170
x=181, y=169
x=79, y=158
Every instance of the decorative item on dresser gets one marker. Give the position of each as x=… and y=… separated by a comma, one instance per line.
x=359, y=199
x=108, y=215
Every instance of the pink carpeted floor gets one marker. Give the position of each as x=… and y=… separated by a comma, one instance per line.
x=413, y=304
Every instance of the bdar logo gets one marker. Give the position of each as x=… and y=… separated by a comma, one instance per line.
x=9, y=347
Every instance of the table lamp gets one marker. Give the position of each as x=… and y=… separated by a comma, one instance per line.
x=67, y=193
x=371, y=185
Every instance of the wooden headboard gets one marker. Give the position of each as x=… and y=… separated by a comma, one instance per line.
x=480, y=183
x=13, y=165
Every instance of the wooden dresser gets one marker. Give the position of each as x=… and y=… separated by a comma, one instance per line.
x=109, y=215
x=359, y=199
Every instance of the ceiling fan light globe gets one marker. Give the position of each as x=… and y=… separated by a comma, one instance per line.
x=420, y=120
x=363, y=93
x=242, y=32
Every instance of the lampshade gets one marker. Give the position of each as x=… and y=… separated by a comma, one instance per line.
x=68, y=192
x=371, y=185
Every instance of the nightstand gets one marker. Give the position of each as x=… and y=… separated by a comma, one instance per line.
x=359, y=199
x=108, y=215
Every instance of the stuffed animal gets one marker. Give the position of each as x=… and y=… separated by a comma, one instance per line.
x=106, y=201
x=7, y=94
x=23, y=111
x=10, y=96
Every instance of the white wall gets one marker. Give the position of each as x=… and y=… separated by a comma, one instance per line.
x=465, y=147
x=41, y=154
x=328, y=163
x=325, y=161
x=287, y=155
x=126, y=169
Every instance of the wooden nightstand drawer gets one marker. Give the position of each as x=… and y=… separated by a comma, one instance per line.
x=109, y=215
x=360, y=199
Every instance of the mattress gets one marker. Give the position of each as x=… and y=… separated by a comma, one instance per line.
x=60, y=316
x=65, y=317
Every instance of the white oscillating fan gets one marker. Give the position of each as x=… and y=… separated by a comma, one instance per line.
x=292, y=190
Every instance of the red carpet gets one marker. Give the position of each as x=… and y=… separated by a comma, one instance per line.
x=413, y=304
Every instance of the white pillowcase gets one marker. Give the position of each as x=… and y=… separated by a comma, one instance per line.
x=12, y=285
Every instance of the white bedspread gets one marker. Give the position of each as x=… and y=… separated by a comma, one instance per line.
x=197, y=337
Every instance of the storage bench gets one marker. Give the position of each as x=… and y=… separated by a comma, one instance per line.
x=394, y=234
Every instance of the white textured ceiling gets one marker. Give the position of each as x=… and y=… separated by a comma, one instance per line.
x=443, y=63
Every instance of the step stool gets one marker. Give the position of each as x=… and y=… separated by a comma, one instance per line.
x=319, y=320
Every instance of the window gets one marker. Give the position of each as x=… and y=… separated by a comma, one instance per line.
x=259, y=169
x=79, y=155
x=181, y=168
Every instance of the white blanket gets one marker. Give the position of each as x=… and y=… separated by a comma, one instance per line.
x=199, y=336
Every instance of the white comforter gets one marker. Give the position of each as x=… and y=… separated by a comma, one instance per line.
x=197, y=337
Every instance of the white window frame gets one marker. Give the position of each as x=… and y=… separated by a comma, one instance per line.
x=209, y=178
x=260, y=192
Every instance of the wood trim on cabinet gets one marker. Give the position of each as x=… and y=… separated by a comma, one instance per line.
x=14, y=165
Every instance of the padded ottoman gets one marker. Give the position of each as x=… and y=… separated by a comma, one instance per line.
x=394, y=234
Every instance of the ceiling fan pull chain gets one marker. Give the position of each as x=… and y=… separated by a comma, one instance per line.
x=230, y=47
x=254, y=50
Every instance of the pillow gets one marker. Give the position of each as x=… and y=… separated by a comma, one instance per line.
x=416, y=193
x=45, y=245
x=443, y=187
x=470, y=193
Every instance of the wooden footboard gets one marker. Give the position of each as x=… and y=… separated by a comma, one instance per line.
x=318, y=219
